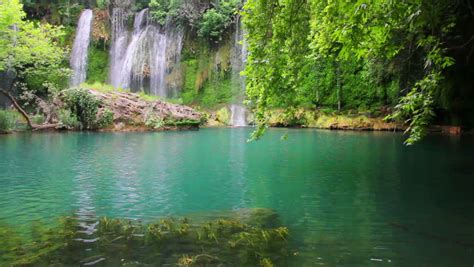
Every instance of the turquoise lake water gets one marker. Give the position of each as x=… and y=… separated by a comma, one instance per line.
x=348, y=198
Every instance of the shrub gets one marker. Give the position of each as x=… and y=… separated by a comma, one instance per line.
x=102, y=4
x=158, y=11
x=204, y=118
x=7, y=120
x=105, y=119
x=37, y=119
x=83, y=105
x=216, y=20
x=154, y=122
x=212, y=24
x=68, y=119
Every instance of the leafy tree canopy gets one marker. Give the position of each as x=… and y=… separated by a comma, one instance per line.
x=31, y=49
x=316, y=52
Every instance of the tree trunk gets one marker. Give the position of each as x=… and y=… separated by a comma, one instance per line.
x=17, y=106
x=25, y=115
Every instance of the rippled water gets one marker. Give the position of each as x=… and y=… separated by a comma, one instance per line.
x=349, y=199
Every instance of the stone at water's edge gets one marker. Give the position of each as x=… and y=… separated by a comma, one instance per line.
x=131, y=109
x=447, y=129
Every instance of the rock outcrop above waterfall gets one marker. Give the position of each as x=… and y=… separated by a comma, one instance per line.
x=132, y=111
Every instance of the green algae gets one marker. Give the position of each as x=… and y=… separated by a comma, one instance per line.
x=241, y=239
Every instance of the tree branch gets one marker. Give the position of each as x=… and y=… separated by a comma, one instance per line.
x=32, y=126
x=18, y=107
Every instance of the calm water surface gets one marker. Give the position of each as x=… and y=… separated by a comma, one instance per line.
x=348, y=198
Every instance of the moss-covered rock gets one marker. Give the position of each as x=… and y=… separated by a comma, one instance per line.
x=207, y=73
x=223, y=116
x=283, y=118
x=330, y=120
x=358, y=122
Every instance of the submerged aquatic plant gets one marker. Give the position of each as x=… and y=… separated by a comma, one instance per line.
x=169, y=241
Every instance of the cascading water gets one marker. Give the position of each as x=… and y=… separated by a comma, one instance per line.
x=119, y=44
x=151, y=54
x=175, y=44
x=166, y=54
x=239, y=56
x=238, y=114
x=135, y=56
x=158, y=65
x=80, y=48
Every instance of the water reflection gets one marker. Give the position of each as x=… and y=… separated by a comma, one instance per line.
x=349, y=198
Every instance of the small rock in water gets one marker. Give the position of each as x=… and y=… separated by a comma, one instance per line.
x=93, y=260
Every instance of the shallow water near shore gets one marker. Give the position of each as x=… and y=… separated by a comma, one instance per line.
x=347, y=198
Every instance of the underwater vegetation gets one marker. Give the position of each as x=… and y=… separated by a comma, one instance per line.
x=244, y=240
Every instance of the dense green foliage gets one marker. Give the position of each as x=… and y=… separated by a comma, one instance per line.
x=105, y=119
x=82, y=104
x=85, y=107
x=161, y=10
x=210, y=18
x=7, y=120
x=158, y=11
x=98, y=67
x=204, y=84
x=217, y=19
x=207, y=75
x=31, y=50
x=59, y=12
x=348, y=55
x=68, y=119
x=377, y=57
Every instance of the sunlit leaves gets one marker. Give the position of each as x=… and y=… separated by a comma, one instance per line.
x=30, y=49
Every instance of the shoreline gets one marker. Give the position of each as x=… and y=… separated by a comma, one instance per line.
x=432, y=130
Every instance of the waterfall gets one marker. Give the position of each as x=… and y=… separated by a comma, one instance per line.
x=79, y=53
x=144, y=62
x=135, y=57
x=173, y=57
x=239, y=56
x=166, y=55
x=238, y=115
x=158, y=66
x=119, y=44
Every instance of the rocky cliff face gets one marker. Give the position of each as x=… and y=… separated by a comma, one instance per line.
x=130, y=109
